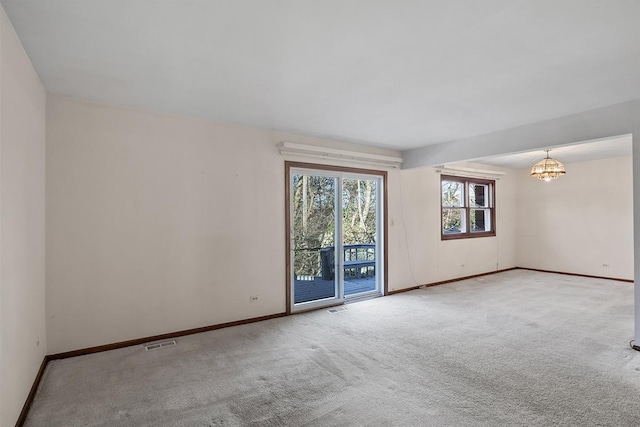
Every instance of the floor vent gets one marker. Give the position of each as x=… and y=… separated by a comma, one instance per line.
x=159, y=345
x=335, y=310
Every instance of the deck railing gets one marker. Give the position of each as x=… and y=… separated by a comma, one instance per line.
x=359, y=260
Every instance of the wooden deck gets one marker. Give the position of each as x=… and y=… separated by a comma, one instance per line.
x=310, y=290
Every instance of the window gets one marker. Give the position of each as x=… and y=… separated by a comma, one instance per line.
x=468, y=208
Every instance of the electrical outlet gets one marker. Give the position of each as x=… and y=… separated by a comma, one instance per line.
x=254, y=298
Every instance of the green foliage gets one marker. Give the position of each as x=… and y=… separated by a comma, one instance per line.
x=314, y=217
x=359, y=214
x=313, y=220
x=452, y=196
x=452, y=220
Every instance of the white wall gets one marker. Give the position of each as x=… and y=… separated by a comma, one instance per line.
x=580, y=221
x=158, y=223
x=22, y=170
x=418, y=253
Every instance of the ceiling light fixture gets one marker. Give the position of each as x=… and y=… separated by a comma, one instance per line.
x=547, y=169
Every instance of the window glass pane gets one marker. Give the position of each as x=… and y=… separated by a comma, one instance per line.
x=452, y=194
x=314, y=210
x=478, y=195
x=480, y=220
x=453, y=221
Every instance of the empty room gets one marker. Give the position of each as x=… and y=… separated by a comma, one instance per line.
x=319, y=213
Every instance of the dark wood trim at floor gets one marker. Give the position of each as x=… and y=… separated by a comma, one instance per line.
x=576, y=274
x=122, y=344
x=501, y=271
x=32, y=393
x=138, y=341
x=170, y=335
x=427, y=285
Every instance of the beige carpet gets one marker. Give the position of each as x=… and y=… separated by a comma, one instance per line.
x=516, y=348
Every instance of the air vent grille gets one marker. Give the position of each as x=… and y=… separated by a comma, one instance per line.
x=159, y=345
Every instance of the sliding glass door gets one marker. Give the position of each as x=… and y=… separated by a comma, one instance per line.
x=335, y=239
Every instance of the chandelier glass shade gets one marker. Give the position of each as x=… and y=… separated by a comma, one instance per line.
x=547, y=169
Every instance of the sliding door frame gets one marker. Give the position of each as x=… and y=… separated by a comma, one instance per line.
x=288, y=165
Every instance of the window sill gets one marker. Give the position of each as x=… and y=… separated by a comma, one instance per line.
x=459, y=236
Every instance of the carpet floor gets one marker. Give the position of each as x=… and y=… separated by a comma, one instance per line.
x=514, y=348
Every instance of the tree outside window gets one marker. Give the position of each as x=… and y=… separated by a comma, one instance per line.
x=468, y=208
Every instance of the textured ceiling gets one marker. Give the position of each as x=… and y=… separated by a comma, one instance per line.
x=397, y=73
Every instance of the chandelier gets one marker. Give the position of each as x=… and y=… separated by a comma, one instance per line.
x=547, y=169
